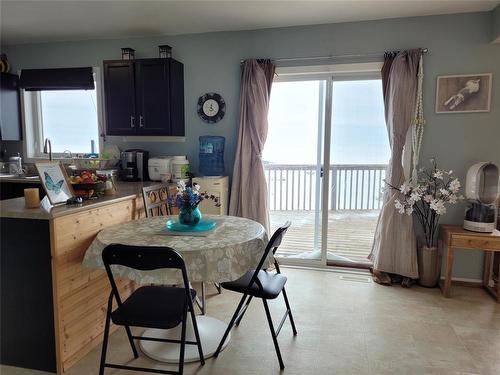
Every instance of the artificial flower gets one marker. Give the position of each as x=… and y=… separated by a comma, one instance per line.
x=444, y=192
x=438, y=174
x=405, y=188
x=454, y=185
x=438, y=206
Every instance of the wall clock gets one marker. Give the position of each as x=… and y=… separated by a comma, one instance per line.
x=211, y=107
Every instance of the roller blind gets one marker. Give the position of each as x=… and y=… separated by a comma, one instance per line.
x=57, y=79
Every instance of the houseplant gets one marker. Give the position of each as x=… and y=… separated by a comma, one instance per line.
x=187, y=199
x=426, y=197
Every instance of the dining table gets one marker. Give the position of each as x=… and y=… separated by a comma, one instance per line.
x=225, y=253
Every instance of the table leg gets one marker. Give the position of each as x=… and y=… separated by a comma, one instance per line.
x=448, y=272
x=488, y=258
x=498, y=279
x=202, y=302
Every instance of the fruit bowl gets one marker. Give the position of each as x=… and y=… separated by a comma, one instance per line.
x=89, y=190
x=88, y=184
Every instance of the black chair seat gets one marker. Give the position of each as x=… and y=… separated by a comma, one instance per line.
x=272, y=284
x=152, y=307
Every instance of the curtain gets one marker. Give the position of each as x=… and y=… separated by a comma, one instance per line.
x=249, y=190
x=394, y=248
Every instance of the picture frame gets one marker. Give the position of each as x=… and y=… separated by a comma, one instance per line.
x=55, y=182
x=463, y=93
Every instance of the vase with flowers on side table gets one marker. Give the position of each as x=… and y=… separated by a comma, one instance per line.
x=426, y=197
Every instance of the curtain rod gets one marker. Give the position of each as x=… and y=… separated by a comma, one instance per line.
x=330, y=57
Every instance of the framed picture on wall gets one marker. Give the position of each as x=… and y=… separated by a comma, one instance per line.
x=463, y=93
x=55, y=182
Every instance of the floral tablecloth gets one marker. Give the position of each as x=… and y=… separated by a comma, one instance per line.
x=224, y=255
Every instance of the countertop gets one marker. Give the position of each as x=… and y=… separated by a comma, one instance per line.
x=20, y=179
x=14, y=208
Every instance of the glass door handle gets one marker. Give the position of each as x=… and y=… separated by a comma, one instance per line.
x=141, y=121
x=132, y=121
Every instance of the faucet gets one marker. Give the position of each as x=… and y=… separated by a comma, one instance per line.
x=47, y=148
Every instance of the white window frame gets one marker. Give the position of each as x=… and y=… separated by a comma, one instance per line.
x=32, y=122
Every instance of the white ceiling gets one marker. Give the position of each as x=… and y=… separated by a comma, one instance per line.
x=43, y=20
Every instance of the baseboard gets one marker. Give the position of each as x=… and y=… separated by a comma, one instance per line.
x=357, y=271
x=475, y=283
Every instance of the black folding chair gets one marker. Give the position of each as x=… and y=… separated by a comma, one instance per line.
x=264, y=285
x=152, y=306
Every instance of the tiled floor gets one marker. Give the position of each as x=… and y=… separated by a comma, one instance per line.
x=346, y=327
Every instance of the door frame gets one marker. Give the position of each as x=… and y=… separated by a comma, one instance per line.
x=327, y=74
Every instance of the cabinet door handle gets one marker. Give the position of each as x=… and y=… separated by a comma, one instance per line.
x=132, y=121
x=141, y=121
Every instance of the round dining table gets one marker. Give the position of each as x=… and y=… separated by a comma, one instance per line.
x=235, y=246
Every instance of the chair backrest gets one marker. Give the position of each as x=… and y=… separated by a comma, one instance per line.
x=143, y=258
x=273, y=245
x=156, y=200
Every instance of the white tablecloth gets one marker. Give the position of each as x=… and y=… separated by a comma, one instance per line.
x=224, y=255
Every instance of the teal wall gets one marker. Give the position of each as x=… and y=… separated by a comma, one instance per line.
x=458, y=44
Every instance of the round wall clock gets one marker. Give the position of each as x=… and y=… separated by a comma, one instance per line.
x=211, y=107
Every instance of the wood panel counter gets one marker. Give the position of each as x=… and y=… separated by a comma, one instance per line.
x=52, y=307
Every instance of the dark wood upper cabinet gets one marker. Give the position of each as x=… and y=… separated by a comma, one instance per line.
x=10, y=108
x=120, y=97
x=144, y=97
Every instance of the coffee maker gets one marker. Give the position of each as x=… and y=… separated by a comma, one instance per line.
x=134, y=165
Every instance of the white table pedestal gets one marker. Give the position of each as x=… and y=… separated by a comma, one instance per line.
x=210, y=329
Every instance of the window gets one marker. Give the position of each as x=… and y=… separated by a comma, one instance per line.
x=69, y=118
x=359, y=133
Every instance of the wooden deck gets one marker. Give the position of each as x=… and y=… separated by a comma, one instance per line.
x=350, y=234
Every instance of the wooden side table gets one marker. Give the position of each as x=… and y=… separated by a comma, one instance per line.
x=455, y=237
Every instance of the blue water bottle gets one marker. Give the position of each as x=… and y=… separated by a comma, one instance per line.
x=211, y=155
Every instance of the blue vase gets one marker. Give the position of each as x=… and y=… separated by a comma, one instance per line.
x=188, y=216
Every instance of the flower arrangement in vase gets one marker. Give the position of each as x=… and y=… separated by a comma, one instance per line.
x=426, y=197
x=187, y=200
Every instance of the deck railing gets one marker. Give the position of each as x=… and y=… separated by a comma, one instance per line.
x=351, y=187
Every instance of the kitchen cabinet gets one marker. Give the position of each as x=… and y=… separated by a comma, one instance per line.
x=9, y=190
x=144, y=97
x=10, y=108
x=53, y=307
x=217, y=186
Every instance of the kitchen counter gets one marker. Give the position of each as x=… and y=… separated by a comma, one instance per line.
x=14, y=208
x=20, y=179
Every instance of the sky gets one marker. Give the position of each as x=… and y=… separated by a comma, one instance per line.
x=73, y=109
x=359, y=134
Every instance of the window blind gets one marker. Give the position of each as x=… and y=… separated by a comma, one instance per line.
x=57, y=79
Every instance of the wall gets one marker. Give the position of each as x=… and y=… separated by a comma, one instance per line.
x=457, y=44
x=495, y=14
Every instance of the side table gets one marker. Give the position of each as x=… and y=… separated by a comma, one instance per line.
x=455, y=237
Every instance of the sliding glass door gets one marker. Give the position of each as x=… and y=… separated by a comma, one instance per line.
x=292, y=161
x=359, y=153
x=325, y=159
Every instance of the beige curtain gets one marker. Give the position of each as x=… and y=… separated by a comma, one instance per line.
x=394, y=249
x=249, y=190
